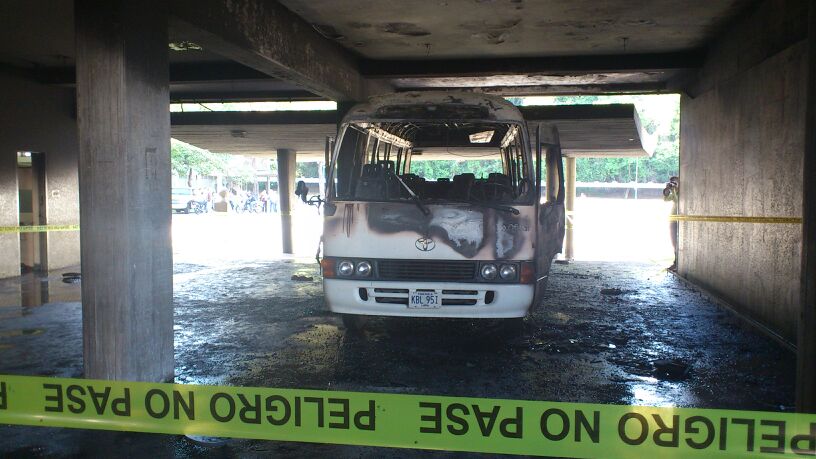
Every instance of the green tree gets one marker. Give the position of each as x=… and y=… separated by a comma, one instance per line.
x=188, y=160
x=307, y=169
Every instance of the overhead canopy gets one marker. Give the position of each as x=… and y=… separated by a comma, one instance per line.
x=599, y=131
x=585, y=130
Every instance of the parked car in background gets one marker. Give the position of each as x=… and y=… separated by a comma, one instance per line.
x=182, y=199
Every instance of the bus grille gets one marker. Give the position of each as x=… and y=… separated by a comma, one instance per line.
x=412, y=270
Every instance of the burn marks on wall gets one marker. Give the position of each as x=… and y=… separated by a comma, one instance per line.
x=405, y=29
x=491, y=32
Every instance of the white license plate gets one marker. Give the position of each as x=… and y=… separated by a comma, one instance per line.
x=424, y=299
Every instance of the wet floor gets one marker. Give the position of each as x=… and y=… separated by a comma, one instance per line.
x=607, y=332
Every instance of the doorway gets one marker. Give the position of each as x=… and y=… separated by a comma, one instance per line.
x=31, y=189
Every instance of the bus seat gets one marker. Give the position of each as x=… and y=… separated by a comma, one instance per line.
x=461, y=186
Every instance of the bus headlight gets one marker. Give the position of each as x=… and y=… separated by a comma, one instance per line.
x=508, y=272
x=363, y=269
x=489, y=271
x=345, y=268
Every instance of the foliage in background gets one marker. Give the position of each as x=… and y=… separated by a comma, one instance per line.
x=307, y=169
x=187, y=161
x=432, y=170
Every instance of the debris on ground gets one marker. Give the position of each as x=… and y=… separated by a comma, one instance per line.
x=302, y=278
x=615, y=291
x=671, y=369
x=205, y=440
x=268, y=332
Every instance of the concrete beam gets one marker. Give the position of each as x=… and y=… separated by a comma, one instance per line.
x=124, y=188
x=244, y=118
x=512, y=90
x=530, y=113
x=806, y=345
x=267, y=37
x=550, y=65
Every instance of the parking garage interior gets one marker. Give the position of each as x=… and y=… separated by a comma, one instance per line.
x=85, y=131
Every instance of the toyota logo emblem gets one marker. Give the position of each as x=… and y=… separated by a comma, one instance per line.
x=425, y=244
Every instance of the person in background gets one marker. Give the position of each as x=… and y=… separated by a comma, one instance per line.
x=233, y=198
x=671, y=193
x=201, y=197
x=272, y=197
x=263, y=198
x=302, y=191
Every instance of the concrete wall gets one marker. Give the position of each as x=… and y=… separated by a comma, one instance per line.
x=741, y=152
x=40, y=118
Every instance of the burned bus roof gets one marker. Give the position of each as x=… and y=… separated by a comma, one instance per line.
x=435, y=105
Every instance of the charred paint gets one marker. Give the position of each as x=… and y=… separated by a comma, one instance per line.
x=550, y=237
x=465, y=229
x=511, y=234
x=461, y=228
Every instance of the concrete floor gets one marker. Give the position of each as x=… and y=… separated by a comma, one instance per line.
x=247, y=323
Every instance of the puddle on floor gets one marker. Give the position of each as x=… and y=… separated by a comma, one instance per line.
x=649, y=391
x=36, y=289
x=21, y=332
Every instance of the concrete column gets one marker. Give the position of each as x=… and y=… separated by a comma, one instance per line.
x=569, y=204
x=806, y=345
x=287, y=165
x=9, y=213
x=124, y=189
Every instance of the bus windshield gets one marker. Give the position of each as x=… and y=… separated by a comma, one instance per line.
x=435, y=162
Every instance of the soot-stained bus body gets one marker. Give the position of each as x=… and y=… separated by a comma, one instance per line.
x=433, y=209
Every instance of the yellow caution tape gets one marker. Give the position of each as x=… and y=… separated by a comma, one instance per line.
x=723, y=219
x=580, y=430
x=727, y=219
x=38, y=228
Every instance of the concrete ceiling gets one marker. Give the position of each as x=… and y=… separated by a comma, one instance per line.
x=512, y=47
x=40, y=33
x=436, y=29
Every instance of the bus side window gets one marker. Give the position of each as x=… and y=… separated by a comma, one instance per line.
x=348, y=161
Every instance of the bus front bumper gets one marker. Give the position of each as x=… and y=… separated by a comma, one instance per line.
x=463, y=300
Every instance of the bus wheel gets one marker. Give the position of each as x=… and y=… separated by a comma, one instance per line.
x=354, y=323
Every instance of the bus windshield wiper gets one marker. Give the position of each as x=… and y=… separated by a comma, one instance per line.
x=417, y=200
x=489, y=205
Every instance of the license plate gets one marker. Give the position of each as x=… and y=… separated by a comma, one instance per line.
x=424, y=299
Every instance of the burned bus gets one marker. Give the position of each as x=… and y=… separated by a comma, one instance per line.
x=435, y=207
